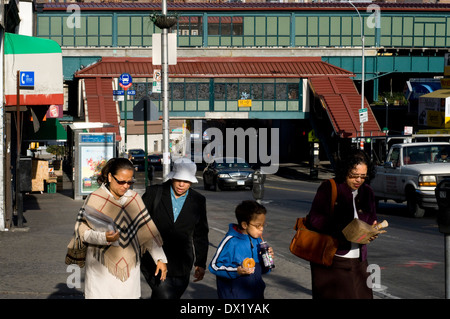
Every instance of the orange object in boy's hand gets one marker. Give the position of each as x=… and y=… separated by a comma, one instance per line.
x=248, y=263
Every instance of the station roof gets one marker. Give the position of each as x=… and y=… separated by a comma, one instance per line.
x=242, y=67
x=342, y=102
x=332, y=85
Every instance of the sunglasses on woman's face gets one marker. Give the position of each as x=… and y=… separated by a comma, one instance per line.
x=356, y=176
x=122, y=182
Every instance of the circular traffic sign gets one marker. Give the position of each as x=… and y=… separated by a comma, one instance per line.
x=125, y=80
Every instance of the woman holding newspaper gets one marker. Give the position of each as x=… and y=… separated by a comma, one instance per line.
x=347, y=277
x=117, y=229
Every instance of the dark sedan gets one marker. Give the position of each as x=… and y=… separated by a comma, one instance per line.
x=228, y=172
x=137, y=157
x=155, y=160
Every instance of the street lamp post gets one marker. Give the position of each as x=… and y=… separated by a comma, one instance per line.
x=362, y=68
x=165, y=93
x=165, y=22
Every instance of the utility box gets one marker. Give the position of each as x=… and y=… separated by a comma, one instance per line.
x=24, y=174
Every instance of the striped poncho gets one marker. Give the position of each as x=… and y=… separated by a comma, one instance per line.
x=136, y=229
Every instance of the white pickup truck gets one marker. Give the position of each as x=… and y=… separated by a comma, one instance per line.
x=411, y=172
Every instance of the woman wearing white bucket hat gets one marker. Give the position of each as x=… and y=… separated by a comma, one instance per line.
x=184, y=170
x=180, y=215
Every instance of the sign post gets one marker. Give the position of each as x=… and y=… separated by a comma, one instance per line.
x=363, y=117
x=125, y=82
x=19, y=138
x=25, y=79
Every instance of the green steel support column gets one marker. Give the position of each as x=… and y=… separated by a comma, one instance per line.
x=375, y=80
x=375, y=89
x=292, y=33
x=205, y=30
x=211, y=95
x=377, y=37
x=114, y=30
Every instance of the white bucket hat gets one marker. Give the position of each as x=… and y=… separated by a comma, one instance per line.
x=183, y=169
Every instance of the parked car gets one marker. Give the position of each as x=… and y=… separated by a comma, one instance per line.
x=155, y=160
x=228, y=172
x=137, y=157
x=411, y=173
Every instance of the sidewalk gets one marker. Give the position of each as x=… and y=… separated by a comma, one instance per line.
x=32, y=257
x=302, y=171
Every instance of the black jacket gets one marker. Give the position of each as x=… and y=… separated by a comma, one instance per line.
x=181, y=238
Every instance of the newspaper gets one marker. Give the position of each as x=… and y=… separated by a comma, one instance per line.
x=360, y=232
x=99, y=221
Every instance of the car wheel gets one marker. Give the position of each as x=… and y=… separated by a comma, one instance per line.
x=414, y=210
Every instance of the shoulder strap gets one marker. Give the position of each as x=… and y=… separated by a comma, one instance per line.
x=333, y=193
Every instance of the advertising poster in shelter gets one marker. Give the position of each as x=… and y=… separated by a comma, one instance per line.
x=95, y=150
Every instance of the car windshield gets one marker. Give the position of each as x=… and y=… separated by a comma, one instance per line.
x=425, y=154
x=232, y=164
x=137, y=152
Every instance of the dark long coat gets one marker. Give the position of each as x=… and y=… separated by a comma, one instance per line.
x=185, y=242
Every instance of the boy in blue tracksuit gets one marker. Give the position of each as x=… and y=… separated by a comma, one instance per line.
x=234, y=281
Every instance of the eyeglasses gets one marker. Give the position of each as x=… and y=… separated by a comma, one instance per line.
x=122, y=182
x=258, y=226
x=354, y=176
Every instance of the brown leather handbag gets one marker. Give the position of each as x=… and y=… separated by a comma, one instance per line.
x=311, y=245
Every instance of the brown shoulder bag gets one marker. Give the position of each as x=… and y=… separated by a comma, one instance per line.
x=311, y=245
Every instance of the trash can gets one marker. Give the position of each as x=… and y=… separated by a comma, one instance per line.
x=442, y=192
x=51, y=186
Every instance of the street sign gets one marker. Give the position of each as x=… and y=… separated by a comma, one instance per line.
x=26, y=78
x=363, y=116
x=145, y=110
x=156, y=88
x=312, y=137
x=131, y=92
x=125, y=81
x=171, y=48
x=408, y=130
x=244, y=103
x=118, y=95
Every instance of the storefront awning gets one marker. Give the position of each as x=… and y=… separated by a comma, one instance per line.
x=440, y=94
x=41, y=56
x=49, y=130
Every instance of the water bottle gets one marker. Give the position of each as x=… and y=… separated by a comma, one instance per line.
x=266, y=257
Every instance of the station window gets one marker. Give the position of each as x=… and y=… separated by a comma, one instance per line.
x=194, y=95
x=225, y=25
x=190, y=25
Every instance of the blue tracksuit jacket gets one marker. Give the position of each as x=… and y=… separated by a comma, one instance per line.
x=232, y=250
